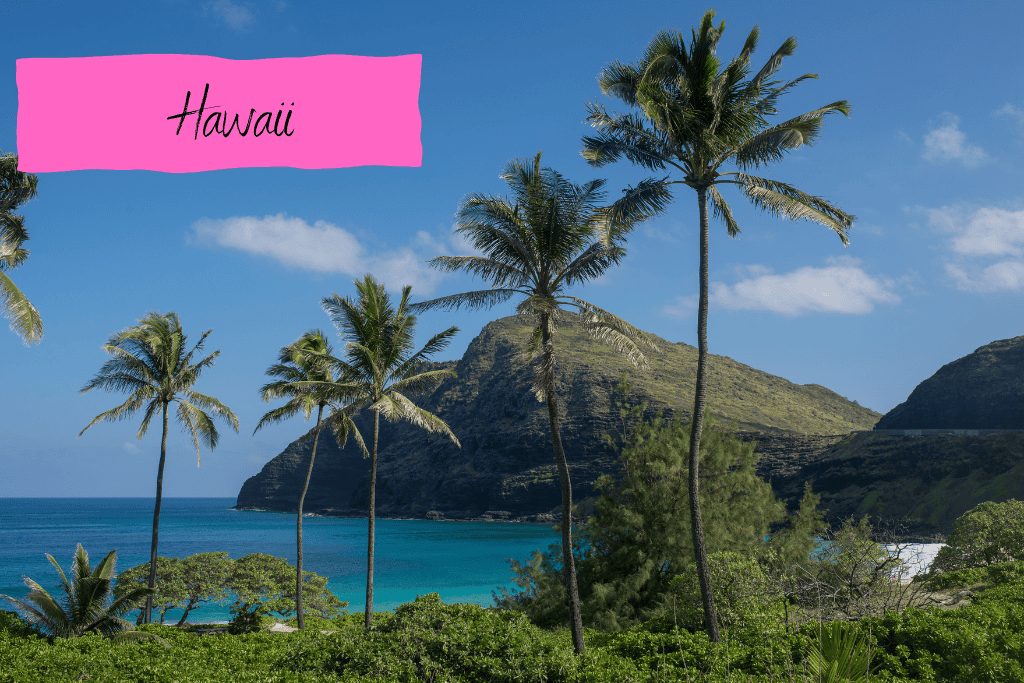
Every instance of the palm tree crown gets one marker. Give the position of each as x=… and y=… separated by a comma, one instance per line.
x=694, y=118
x=150, y=361
x=544, y=242
x=87, y=606
x=379, y=364
x=16, y=188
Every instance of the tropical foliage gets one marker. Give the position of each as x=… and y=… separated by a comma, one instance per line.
x=548, y=239
x=264, y=584
x=987, y=534
x=16, y=188
x=638, y=539
x=150, y=361
x=463, y=643
x=378, y=369
x=181, y=583
x=86, y=606
x=302, y=362
x=693, y=118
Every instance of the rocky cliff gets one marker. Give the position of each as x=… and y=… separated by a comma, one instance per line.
x=984, y=390
x=505, y=468
x=927, y=482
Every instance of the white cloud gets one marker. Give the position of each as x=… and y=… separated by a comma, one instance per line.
x=840, y=287
x=1000, y=276
x=947, y=143
x=985, y=231
x=980, y=232
x=130, y=448
x=236, y=17
x=1012, y=111
x=326, y=248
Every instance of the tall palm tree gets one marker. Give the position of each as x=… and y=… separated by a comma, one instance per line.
x=379, y=365
x=693, y=118
x=149, y=360
x=87, y=606
x=16, y=188
x=303, y=361
x=544, y=242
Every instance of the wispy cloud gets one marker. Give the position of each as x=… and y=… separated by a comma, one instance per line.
x=1012, y=112
x=840, y=287
x=326, y=248
x=947, y=143
x=130, y=448
x=235, y=17
x=978, y=233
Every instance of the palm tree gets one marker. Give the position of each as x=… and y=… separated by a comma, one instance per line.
x=149, y=360
x=16, y=188
x=87, y=604
x=693, y=118
x=379, y=365
x=538, y=246
x=298, y=363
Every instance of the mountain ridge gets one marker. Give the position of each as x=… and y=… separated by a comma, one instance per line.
x=506, y=463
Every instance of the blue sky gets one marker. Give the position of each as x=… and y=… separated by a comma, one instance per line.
x=930, y=162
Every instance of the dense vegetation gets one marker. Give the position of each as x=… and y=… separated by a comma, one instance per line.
x=430, y=641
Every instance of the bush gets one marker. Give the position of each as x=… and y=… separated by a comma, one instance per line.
x=743, y=594
x=247, y=622
x=15, y=625
x=988, y=534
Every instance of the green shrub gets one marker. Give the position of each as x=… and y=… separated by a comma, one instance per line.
x=743, y=593
x=13, y=624
x=987, y=534
x=248, y=622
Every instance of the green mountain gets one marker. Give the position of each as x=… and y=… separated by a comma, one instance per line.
x=505, y=466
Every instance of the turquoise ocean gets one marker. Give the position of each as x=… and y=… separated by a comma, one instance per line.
x=461, y=561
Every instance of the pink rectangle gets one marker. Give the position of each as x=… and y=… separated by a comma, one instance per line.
x=330, y=111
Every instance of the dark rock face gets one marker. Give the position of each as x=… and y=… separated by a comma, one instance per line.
x=984, y=390
x=925, y=482
x=506, y=463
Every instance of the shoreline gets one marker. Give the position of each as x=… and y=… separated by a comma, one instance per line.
x=547, y=519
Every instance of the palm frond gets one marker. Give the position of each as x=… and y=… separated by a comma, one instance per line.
x=589, y=265
x=25, y=319
x=198, y=425
x=648, y=199
x=786, y=201
x=614, y=331
x=775, y=61
x=125, y=410
x=501, y=274
x=484, y=298
x=722, y=211
x=770, y=145
x=393, y=406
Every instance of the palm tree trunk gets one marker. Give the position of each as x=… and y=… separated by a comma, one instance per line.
x=569, y=564
x=369, y=552
x=696, y=524
x=148, y=613
x=305, y=487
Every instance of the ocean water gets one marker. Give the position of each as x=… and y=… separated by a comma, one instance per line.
x=461, y=561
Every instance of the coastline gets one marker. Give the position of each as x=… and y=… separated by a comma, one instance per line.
x=544, y=518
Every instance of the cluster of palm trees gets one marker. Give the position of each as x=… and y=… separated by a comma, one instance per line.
x=693, y=116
